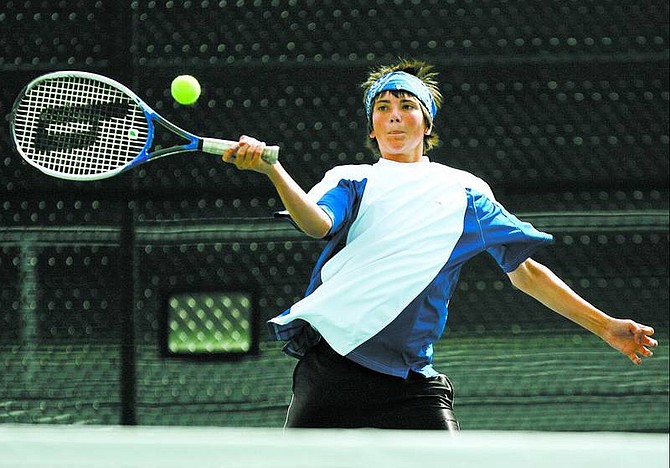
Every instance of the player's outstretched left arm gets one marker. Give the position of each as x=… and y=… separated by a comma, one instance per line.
x=629, y=337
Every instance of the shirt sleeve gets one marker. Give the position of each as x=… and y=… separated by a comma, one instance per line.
x=340, y=203
x=330, y=180
x=335, y=194
x=506, y=238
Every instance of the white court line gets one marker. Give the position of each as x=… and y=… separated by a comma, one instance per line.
x=166, y=447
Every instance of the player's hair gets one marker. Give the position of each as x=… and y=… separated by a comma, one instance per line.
x=425, y=73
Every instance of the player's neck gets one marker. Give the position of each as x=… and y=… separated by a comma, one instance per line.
x=404, y=157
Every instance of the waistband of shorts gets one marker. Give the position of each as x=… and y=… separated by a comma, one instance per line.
x=324, y=348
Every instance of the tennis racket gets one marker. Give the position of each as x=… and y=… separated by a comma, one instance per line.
x=83, y=126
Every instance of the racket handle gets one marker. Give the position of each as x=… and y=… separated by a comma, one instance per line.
x=216, y=146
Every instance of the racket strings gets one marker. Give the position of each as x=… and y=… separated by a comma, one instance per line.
x=79, y=126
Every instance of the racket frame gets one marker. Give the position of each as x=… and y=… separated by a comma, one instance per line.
x=193, y=142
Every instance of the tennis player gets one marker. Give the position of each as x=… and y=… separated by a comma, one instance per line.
x=398, y=233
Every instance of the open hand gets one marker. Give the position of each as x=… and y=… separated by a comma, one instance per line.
x=631, y=338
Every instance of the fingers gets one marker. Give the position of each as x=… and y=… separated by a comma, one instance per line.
x=645, y=340
x=646, y=352
x=637, y=360
x=245, y=154
x=644, y=329
x=634, y=340
x=229, y=154
x=642, y=335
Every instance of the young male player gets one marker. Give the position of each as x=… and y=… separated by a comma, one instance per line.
x=398, y=234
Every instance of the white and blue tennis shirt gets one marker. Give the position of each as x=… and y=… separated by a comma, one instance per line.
x=380, y=290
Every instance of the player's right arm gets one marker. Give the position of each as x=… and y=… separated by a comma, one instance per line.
x=307, y=215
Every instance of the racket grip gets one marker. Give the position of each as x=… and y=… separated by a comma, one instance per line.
x=217, y=146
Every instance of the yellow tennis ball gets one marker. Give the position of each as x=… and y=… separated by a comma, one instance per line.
x=185, y=89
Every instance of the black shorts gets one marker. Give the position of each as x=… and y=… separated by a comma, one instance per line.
x=331, y=391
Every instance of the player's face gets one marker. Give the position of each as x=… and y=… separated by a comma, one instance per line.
x=399, y=127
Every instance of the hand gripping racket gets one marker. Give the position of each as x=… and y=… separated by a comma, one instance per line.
x=83, y=126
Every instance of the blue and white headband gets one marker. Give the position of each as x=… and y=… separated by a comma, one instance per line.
x=400, y=81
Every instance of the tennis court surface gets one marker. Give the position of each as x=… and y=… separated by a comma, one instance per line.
x=107, y=446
